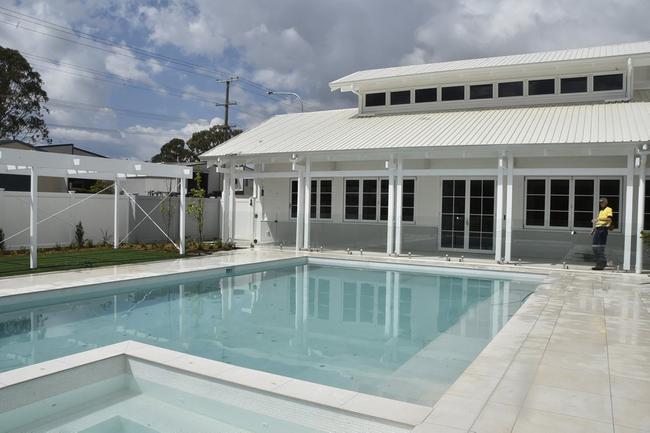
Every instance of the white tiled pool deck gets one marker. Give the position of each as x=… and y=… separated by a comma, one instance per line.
x=574, y=358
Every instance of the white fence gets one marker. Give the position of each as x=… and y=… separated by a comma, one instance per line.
x=96, y=215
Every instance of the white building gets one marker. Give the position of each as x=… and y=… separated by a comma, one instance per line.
x=505, y=156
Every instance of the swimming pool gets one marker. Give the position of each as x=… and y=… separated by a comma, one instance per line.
x=404, y=332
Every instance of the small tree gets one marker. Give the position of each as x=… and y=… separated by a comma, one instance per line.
x=196, y=207
x=79, y=234
x=2, y=241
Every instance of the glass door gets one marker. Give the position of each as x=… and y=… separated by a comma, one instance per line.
x=467, y=215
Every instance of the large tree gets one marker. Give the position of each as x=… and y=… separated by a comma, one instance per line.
x=22, y=99
x=173, y=151
x=205, y=140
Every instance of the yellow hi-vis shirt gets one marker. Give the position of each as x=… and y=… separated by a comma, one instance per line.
x=603, y=215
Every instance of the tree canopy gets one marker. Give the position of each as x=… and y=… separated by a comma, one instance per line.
x=173, y=151
x=176, y=150
x=22, y=99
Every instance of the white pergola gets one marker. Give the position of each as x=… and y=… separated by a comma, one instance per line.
x=35, y=164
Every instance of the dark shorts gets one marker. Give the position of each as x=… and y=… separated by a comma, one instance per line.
x=600, y=236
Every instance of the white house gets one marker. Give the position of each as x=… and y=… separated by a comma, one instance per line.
x=505, y=156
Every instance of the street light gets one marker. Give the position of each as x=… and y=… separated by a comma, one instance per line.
x=302, y=107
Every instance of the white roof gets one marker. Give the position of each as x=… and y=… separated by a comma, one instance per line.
x=336, y=130
x=618, y=50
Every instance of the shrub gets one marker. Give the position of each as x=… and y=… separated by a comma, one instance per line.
x=2, y=241
x=106, y=237
x=89, y=243
x=79, y=234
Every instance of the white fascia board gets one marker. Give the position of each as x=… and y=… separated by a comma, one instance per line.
x=516, y=71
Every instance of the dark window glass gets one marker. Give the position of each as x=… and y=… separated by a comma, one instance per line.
x=383, y=200
x=646, y=219
x=583, y=202
x=375, y=99
x=535, y=218
x=573, y=85
x=541, y=87
x=608, y=82
x=400, y=98
x=536, y=186
x=454, y=93
x=349, y=302
x=559, y=213
x=352, y=199
x=480, y=91
x=294, y=199
x=513, y=88
x=325, y=204
x=426, y=95
x=408, y=200
x=369, y=210
x=313, y=203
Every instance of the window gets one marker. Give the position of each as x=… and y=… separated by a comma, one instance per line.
x=568, y=203
x=513, y=88
x=408, y=200
x=367, y=199
x=573, y=85
x=426, y=95
x=383, y=200
x=560, y=194
x=583, y=203
x=608, y=82
x=400, y=98
x=646, y=219
x=321, y=199
x=454, y=93
x=352, y=199
x=294, y=199
x=541, y=87
x=375, y=99
x=364, y=303
x=535, y=202
x=480, y=91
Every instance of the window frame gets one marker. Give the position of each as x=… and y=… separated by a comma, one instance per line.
x=386, y=99
x=378, y=206
x=389, y=99
x=542, y=95
x=465, y=87
x=571, y=220
x=318, y=199
x=469, y=89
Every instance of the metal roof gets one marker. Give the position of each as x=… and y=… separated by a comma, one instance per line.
x=338, y=130
x=618, y=50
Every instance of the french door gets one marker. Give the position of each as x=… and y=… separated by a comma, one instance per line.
x=467, y=215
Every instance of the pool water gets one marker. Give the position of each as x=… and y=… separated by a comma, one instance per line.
x=400, y=334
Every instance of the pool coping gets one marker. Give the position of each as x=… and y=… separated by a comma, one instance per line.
x=465, y=403
x=351, y=402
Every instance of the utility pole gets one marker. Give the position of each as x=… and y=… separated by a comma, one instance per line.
x=226, y=105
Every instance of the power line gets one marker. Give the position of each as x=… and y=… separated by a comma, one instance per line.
x=133, y=113
x=87, y=36
x=110, y=130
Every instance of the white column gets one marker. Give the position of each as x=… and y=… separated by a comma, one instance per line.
x=508, y=248
x=499, y=212
x=300, y=217
x=225, y=201
x=181, y=217
x=232, y=211
x=33, y=220
x=640, y=216
x=390, y=224
x=629, y=209
x=116, y=198
x=398, y=208
x=305, y=244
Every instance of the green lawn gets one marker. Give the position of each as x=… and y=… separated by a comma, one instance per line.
x=75, y=259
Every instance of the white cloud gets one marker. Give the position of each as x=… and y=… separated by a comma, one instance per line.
x=129, y=68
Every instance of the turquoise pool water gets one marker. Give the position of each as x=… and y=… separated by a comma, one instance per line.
x=401, y=334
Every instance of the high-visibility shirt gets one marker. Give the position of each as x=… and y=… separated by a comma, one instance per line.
x=602, y=217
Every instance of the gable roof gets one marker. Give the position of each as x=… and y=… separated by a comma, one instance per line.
x=339, y=130
x=605, y=51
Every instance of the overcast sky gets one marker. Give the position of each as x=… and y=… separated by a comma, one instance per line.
x=115, y=101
